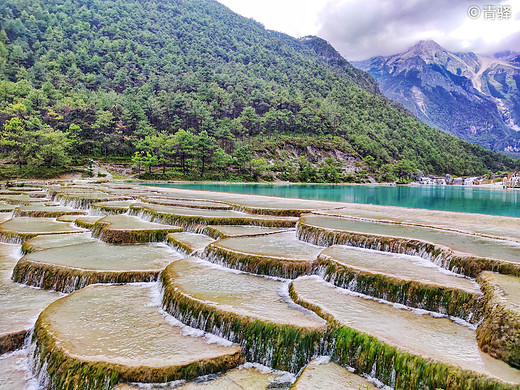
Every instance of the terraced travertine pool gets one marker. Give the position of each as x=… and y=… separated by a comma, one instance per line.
x=403, y=267
x=422, y=335
x=262, y=305
x=243, y=294
x=471, y=244
x=20, y=305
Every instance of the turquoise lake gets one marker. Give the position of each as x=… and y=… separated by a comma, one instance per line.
x=484, y=200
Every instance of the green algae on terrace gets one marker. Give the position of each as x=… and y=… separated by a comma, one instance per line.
x=228, y=231
x=23, y=228
x=378, y=328
x=279, y=254
x=329, y=376
x=257, y=204
x=192, y=203
x=20, y=199
x=43, y=210
x=241, y=378
x=190, y=217
x=102, y=335
x=122, y=228
x=39, y=243
x=494, y=226
x=20, y=305
x=72, y=267
x=474, y=245
x=188, y=242
x=67, y=218
x=24, y=189
x=87, y=221
x=251, y=310
x=85, y=199
x=5, y=207
x=409, y=280
x=245, y=295
x=112, y=207
x=499, y=332
x=467, y=254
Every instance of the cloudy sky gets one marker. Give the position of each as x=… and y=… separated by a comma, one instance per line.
x=360, y=29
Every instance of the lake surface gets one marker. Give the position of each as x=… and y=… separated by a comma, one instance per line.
x=484, y=200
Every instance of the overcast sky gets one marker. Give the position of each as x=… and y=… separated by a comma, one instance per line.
x=360, y=29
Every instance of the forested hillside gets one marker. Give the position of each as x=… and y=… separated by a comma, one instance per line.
x=194, y=86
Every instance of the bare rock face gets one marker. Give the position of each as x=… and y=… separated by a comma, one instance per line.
x=471, y=96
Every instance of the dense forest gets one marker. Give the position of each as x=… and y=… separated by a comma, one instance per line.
x=193, y=90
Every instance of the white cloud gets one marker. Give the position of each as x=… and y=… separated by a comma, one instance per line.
x=294, y=17
x=360, y=29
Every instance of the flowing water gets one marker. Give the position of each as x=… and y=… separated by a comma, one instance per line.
x=251, y=200
x=246, y=377
x=240, y=293
x=44, y=210
x=58, y=240
x=250, y=377
x=120, y=324
x=279, y=245
x=192, y=203
x=20, y=199
x=510, y=289
x=480, y=224
x=37, y=226
x=399, y=266
x=189, y=211
x=20, y=305
x=5, y=216
x=125, y=324
x=237, y=231
x=426, y=336
x=494, y=201
x=4, y=207
x=128, y=222
x=119, y=205
x=328, y=376
x=88, y=219
x=15, y=372
x=190, y=242
x=107, y=257
x=474, y=245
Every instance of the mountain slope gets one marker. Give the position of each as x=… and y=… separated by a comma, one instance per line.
x=124, y=70
x=474, y=97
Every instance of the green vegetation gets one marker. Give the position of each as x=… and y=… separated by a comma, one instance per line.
x=199, y=92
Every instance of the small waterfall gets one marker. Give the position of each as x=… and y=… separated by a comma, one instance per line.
x=442, y=256
x=67, y=280
x=261, y=265
x=278, y=346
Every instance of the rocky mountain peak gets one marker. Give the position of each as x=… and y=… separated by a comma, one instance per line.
x=475, y=97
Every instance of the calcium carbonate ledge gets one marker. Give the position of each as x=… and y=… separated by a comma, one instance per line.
x=279, y=254
x=72, y=267
x=66, y=342
x=464, y=302
x=279, y=342
x=125, y=229
x=395, y=366
x=194, y=219
x=189, y=243
x=499, y=332
x=458, y=262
